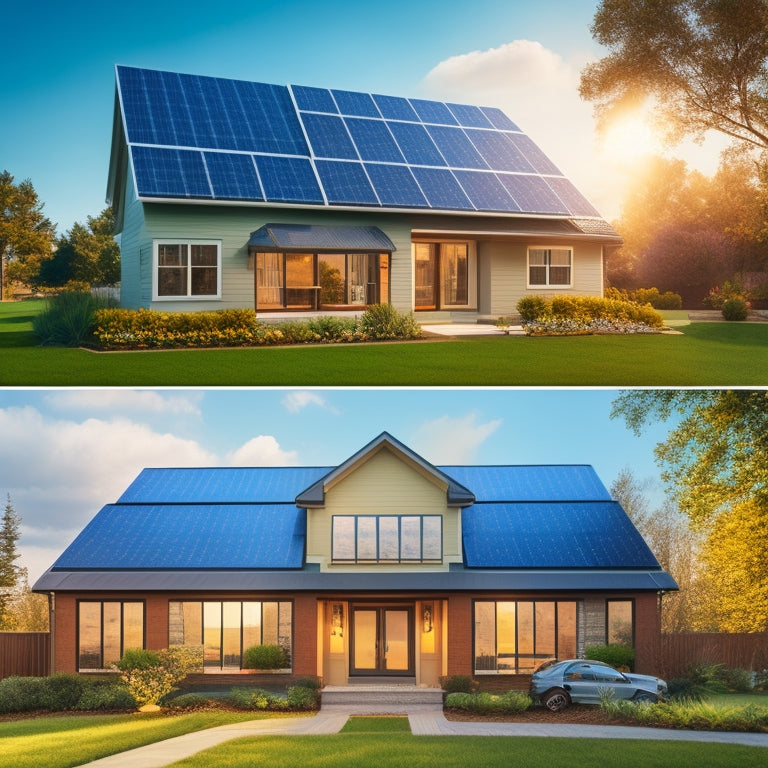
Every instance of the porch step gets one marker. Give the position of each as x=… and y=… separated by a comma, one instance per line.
x=381, y=698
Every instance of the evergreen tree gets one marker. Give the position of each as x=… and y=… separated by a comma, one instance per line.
x=9, y=571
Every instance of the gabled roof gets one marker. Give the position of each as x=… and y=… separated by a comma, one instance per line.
x=213, y=139
x=314, y=496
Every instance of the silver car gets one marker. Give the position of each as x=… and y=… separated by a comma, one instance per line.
x=556, y=684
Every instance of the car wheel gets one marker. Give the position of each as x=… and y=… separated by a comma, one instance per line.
x=556, y=700
x=643, y=696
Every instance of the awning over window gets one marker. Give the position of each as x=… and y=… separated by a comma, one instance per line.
x=315, y=237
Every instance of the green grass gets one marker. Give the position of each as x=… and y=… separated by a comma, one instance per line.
x=59, y=742
x=407, y=751
x=705, y=354
x=357, y=724
x=738, y=699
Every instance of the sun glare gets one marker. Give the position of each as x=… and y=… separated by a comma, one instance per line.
x=629, y=140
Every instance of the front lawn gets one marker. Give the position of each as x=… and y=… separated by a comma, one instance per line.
x=705, y=354
x=59, y=742
x=400, y=750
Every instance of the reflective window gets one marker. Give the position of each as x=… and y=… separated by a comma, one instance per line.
x=187, y=269
x=549, y=267
x=387, y=538
x=619, y=625
x=515, y=636
x=105, y=629
x=226, y=628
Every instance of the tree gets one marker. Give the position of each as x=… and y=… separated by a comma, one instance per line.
x=716, y=468
x=675, y=545
x=85, y=254
x=26, y=235
x=9, y=571
x=702, y=64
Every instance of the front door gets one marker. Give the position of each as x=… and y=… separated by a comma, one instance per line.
x=382, y=640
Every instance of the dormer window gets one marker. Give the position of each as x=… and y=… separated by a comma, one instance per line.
x=387, y=538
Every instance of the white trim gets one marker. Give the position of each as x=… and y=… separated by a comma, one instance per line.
x=185, y=241
x=547, y=285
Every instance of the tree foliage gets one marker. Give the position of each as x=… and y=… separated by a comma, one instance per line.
x=715, y=464
x=702, y=63
x=87, y=253
x=26, y=234
x=9, y=571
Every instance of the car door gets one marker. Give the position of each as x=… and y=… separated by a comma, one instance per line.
x=608, y=679
x=579, y=681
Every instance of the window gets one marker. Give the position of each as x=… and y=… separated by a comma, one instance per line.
x=515, y=636
x=387, y=538
x=550, y=267
x=619, y=622
x=226, y=629
x=441, y=274
x=105, y=629
x=187, y=269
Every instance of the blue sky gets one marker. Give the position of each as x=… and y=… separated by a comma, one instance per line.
x=66, y=453
x=57, y=89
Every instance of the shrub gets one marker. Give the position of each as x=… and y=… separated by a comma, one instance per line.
x=265, y=657
x=617, y=655
x=735, y=308
x=666, y=300
x=488, y=703
x=458, y=684
x=383, y=321
x=532, y=308
x=68, y=319
x=105, y=696
x=300, y=698
x=63, y=691
x=252, y=698
x=150, y=675
x=188, y=701
x=22, y=694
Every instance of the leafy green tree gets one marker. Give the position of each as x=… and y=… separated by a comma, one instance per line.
x=703, y=64
x=9, y=571
x=26, y=235
x=715, y=464
x=85, y=254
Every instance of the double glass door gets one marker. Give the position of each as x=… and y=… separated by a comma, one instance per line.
x=382, y=640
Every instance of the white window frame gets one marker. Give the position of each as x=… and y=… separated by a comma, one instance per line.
x=189, y=296
x=548, y=284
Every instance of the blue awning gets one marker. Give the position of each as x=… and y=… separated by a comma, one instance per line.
x=315, y=237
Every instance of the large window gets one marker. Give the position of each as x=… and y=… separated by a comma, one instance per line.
x=516, y=636
x=226, y=629
x=549, y=267
x=387, y=538
x=441, y=274
x=105, y=628
x=187, y=269
x=620, y=622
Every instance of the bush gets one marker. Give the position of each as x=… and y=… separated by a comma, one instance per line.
x=532, y=308
x=735, y=308
x=458, y=684
x=617, y=655
x=63, y=691
x=188, y=701
x=702, y=679
x=105, y=696
x=69, y=319
x=265, y=657
x=666, y=300
x=383, y=321
x=22, y=694
x=302, y=699
x=150, y=675
x=488, y=703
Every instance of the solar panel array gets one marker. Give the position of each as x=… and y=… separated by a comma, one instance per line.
x=195, y=137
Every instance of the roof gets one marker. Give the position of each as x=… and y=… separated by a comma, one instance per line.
x=246, y=528
x=283, y=237
x=192, y=137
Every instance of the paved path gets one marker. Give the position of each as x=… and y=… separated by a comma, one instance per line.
x=424, y=721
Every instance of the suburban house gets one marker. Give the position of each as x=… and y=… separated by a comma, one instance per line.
x=299, y=199
x=384, y=567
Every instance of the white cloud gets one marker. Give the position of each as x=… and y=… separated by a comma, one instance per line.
x=452, y=440
x=297, y=401
x=262, y=451
x=127, y=400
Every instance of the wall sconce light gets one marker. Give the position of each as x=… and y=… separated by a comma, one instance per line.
x=426, y=617
x=337, y=620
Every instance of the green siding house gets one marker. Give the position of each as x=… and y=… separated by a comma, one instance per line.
x=293, y=199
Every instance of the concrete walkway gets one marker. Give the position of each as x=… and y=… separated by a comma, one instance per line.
x=424, y=721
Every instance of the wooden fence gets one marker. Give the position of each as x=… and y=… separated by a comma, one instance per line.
x=735, y=651
x=27, y=654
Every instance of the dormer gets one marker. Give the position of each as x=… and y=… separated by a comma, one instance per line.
x=384, y=508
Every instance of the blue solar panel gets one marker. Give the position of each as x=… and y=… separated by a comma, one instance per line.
x=163, y=172
x=456, y=148
x=485, y=191
x=373, y=140
x=357, y=104
x=538, y=160
x=499, y=152
x=395, y=107
x=395, y=185
x=552, y=535
x=433, y=112
x=416, y=144
x=346, y=183
x=576, y=203
x=314, y=99
x=210, y=537
x=288, y=179
x=233, y=176
x=499, y=119
x=441, y=189
x=328, y=136
x=532, y=194
x=469, y=116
